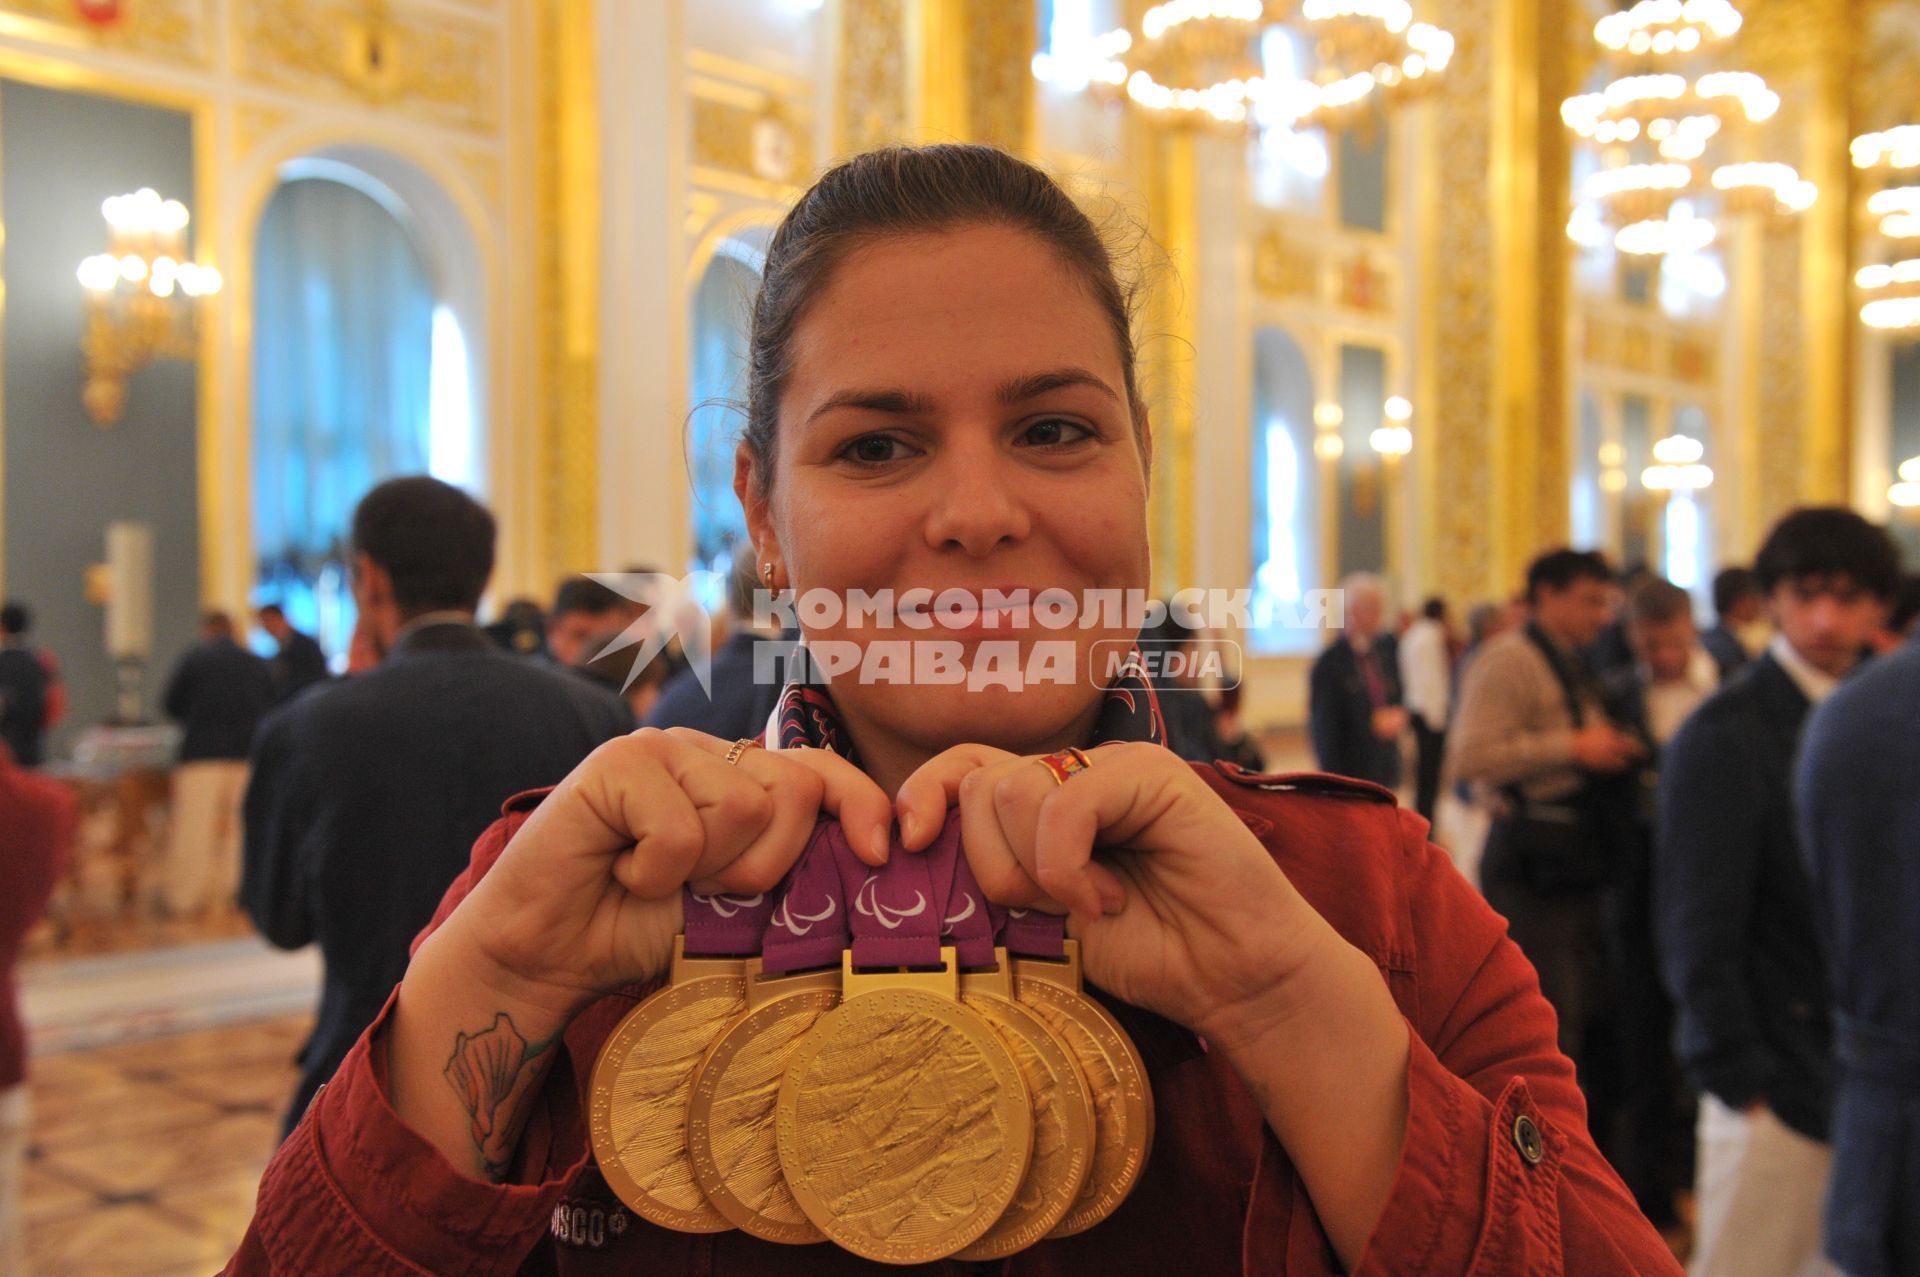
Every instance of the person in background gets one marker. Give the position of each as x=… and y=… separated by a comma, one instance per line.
x=37, y=822
x=300, y=663
x=1610, y=650
x=1353, y=705
x=218, y=692
x=1648, y=1142
x=733, y=704
x=586, y=617
x=1532, y=733
x=1903, y=618
x=521, y=629
x=1859, y=810
x=1739, y=630
x=1426, y=676
x=32, y=698
x=1734, y=908
x=1169, y=648
x=367, y=792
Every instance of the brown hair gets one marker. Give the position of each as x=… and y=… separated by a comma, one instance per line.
x=905, y=190
x=1657, y=602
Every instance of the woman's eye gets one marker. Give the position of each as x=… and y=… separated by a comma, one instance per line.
x=1054, y=432
x=873, y=450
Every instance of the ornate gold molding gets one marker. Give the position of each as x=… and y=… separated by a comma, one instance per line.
x=437, y=68
x=1781, y=395
x=873, y=74
x=171, y=29
x=764, y=142
x=1000, y=35
x=1284, y=267
x=1460, y=328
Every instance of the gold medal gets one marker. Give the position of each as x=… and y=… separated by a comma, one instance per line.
x=1063, y=1138
x=1116, y=1077
x=730, y=1118
x=637, y=1107
x=903, y=1125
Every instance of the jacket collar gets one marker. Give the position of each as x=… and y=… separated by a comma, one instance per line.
x=440, y=634
x=1780, y=698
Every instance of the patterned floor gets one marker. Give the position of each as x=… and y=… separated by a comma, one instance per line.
x=146, y=1154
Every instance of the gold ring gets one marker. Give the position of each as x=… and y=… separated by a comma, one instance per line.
x=1064, y=763
x=740, y=747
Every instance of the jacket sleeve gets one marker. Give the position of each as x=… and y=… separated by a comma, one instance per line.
x=354, y=1192
x=1498, y=1174
x=179, y=688
x=1492, y=740
x=1323, y=714
x=1705, y=853
x=278, y=818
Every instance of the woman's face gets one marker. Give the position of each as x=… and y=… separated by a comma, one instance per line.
x=956, y=418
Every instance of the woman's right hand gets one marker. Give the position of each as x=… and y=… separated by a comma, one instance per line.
x=587, y=895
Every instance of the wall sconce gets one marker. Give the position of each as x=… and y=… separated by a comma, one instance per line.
x=1677, y=466
x=1396, y=440
x=142, y=297
x=1906, y=493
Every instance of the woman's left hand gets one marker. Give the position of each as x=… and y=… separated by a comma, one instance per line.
x=1183, y=913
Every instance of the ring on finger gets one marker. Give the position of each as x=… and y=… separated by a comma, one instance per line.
x=740, y=747
x=1065, y=763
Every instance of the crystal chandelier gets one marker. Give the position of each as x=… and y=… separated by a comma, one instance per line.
x=1892, y=288
x=1200, y=59
x=142, y=295
x=1672, y=131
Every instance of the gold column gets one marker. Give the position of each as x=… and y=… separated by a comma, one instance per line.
x=1827, y=256
x=568, y=161
x=1457, y=320
x=874, y=97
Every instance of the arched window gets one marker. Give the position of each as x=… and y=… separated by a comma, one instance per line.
x=1286, y=506
x=357, y=376
x=716, y=382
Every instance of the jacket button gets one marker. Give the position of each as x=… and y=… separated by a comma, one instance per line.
x=1526, y=1138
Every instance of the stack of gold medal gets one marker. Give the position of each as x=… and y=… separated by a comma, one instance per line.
x=904, y=1098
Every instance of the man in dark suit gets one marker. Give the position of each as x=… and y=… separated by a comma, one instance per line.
x=300, y=663
x=368, y=793
x=30, y=693
x=1739, y=609
x=1353, y=702
x=219, y=692
x=735, y=703
x=1734, y=907
x=1860, y=829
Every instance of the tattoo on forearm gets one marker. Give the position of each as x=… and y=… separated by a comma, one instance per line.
x=490, y=1071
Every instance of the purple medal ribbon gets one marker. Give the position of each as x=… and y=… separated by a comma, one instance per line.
x=900, y=910
x=724, y=925
x=808, y=927
x=972, y=922
x=1032, y=933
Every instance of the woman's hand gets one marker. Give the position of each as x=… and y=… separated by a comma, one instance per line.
x=1187, y=915
x=1184, y=913
x=586, y=897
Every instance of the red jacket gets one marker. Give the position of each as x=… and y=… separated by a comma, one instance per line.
x=37, y=822
x=1498, y=1174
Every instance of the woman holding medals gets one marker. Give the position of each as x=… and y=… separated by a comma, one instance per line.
x=1304, y=1044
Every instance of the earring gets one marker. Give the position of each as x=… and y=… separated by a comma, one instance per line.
x=766, y=574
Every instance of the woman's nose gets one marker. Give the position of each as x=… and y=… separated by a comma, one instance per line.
x=976, y=507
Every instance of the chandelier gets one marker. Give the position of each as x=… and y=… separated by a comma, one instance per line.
x=1673, y=131
x=141, y=296
x=1200, y=59
x=1892, y=288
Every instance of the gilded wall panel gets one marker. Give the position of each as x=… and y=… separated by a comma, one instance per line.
x=1782, y=391
x=171, y=29
x=439, y=69
x=873, y=74
x=1463, y=331
x=999, y=75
